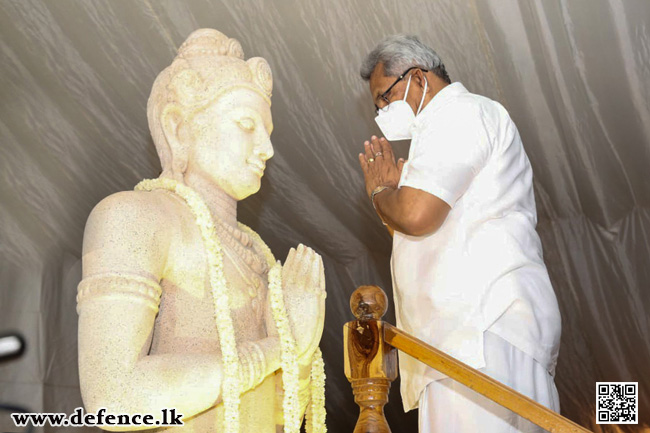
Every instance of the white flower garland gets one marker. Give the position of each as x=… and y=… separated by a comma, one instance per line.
x=317, y=413
x=231, y=388
x=289, y=361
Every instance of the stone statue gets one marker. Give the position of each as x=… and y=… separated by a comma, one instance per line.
x=175, y=306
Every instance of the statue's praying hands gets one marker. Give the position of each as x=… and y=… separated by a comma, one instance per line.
x=303, y=278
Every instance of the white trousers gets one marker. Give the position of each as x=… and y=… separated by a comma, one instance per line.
x=446, y=406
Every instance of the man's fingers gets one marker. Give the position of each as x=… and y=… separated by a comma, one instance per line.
x=400, y=166
x=370, y=155
x=364, y=165
x=386, y=149
x=375, y=146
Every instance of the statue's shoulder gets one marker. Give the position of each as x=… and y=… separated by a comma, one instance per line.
x=133, y=208
x=128, y=231
x=130, y=216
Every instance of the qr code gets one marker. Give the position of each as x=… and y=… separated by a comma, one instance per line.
x=617, y=402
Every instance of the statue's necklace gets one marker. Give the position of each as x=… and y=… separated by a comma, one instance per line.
x=245, y=252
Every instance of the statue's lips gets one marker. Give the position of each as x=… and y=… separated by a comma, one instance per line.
x=258, y=167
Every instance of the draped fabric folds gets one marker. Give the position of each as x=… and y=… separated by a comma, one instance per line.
x=574, y=74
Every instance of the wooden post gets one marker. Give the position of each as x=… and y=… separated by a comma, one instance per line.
x=370, y=363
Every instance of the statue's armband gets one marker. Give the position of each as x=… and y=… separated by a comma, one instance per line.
x=123, y=287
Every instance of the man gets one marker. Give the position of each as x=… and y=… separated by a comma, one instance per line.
x=468, y=273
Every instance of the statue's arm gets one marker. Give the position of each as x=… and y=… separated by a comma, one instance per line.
x=124, y=256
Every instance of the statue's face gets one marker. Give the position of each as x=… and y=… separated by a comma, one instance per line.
x=232, y=142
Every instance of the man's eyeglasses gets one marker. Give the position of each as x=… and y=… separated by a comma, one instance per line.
x=384, y=96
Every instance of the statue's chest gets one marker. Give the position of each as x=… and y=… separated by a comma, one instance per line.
x=188, y=294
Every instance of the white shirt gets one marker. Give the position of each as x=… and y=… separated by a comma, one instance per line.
x=483, y=268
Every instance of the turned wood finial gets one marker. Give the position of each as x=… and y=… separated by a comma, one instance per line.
x=368, y=302
x=370, y=363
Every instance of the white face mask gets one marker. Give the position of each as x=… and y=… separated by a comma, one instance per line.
x=395, y=120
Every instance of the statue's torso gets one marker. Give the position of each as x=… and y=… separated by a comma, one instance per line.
x=186, y=320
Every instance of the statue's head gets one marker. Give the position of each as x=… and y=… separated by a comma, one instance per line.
x=210, y=113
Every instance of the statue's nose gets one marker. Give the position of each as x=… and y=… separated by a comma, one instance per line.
x=265, y=149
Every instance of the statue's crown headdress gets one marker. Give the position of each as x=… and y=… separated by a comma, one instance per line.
x=221, y=63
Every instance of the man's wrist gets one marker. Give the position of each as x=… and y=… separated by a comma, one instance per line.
x=374, y=193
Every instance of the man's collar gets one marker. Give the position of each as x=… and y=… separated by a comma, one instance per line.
x=446, y=94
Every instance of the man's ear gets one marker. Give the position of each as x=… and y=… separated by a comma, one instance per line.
x=171, y=121
x=419, y=77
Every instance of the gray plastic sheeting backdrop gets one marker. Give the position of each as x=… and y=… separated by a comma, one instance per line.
x=575, y=76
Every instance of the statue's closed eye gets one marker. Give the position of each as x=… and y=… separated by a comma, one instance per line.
x=246, y=123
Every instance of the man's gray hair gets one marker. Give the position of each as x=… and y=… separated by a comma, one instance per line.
x=398, y=53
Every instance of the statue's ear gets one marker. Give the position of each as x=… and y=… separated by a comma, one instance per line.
x=171, y=122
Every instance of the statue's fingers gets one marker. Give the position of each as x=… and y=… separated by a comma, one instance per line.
x=297, y=270
x=289, y=265
x=305, y=266
x=321, y=273
x=315, y=271
x=301, y=250
x=318, y=334
x=292, y=252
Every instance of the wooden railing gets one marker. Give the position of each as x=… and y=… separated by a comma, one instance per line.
x=371, y=365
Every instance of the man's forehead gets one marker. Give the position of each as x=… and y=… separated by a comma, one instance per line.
x=378, y=81
x=377, y=73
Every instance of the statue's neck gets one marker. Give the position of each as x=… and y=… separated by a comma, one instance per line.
x=222, y=206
